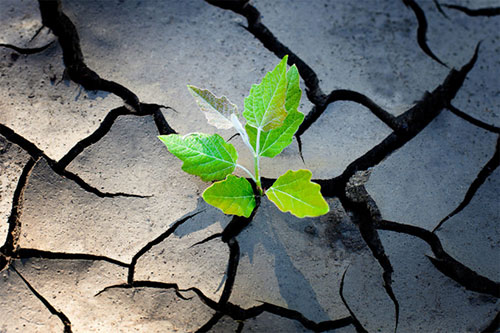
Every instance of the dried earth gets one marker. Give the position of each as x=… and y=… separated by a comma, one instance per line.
x=101, y=231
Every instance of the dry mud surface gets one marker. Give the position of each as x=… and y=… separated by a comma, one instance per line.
x=101, y=231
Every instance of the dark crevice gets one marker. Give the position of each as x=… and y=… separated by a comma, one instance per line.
x=422, y=29
x=209, y=238
x=144, y=284
x=235, y=311
x=233, y=136
x=8, y=249
x=156, y=241
x=105, y=127
x=211, y=323
x=490, y=11
x=266, y=37
x=347, y=95
x=64, y=319
x=37, y=32
x=232, y=268
x=473, y=120
x=89, y=188
x=27, y=50
x=299, y=144
x=34, y=253
x=238, y=313
x=28, y=146
x=410, y=123
x=160, y=121
x=97, y=135
x=365, y=214
x=494, y=326
x=356, y=323
x=228, y=236
x=481, y=177
x=240, y=327
x=443, y=261
x=36, y=154
x=440, y=9
x=54, y=18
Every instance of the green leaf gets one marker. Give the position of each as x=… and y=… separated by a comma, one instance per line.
x=207, y=156
x=217, y=110
x=293, y=91
x=234, y=195
x=265, y=106
x=273, y=142
x=295, y=193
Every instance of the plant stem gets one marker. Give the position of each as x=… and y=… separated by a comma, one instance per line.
x=246, y=170
x=257, y=176
x=257, y=162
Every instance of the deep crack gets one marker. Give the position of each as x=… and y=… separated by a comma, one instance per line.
x=494, y=326
x=36, y=153
x=473, y=120
x=64, y=319
x=107, y=123
x=488, y=11
x=347, y=95
x=355, y=321
x=24, y=253
x=411, y=122
x=365, y=214
x=235, y=311
x=54, y=18
x=422, y=29
x=443, y=261
x=27, y=50
x=9, y=247
x=156, y=241
x=481, y=177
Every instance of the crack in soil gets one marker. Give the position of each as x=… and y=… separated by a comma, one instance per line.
x=36, y=153
x=27, y=50
x=411, y=122
x=365, y=214
x=494, y=326
x=24, y=253
x=54, y=18
x=356, y=323
x=443, y=261
x=107, y=123
x=348, y=95
x=156, y=241
x=488, y=11
x=9, y=247
x=228, y=236
x=473, y=120
x=64, y=319
x=422, y=30
x=236, y=312
x=440, y=9
x=481, y=177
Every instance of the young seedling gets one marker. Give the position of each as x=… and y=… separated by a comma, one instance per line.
x=272, y=119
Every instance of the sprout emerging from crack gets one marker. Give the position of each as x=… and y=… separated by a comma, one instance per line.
x=272, y=118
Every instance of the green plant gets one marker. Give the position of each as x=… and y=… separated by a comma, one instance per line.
x=272, y=119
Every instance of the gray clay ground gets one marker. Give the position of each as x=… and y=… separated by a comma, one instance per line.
x=101, y=231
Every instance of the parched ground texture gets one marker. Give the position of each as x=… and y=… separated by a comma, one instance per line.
x=101, y=231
